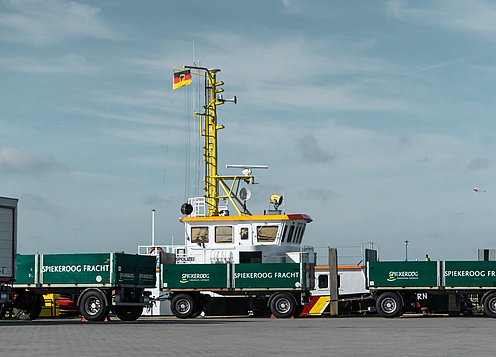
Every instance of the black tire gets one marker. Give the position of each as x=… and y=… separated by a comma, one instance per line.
x=130, y=313
x=93, y=305
x=283, y=305
x=490, y=305
x=28, y=306
x=184, y=306
x=389, y=305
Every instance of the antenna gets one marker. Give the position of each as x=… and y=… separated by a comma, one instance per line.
x=246, y=168
x=234, y=99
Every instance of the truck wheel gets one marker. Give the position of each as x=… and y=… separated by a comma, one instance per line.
x=28, y=306
x=93, y=305
x=128, y=313
x=389, y=305
x=490, y=305
x=283, y=305
x=184, y=306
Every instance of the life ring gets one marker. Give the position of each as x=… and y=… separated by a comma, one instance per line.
x=158, y=249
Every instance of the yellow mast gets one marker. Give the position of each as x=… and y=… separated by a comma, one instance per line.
x=208, y=129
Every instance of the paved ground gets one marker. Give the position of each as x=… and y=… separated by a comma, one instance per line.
x=367, y=336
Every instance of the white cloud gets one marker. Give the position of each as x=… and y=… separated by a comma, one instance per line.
x=50, y=21
x=71, y=63
x=292, y=6
x=15, y=161
x=475, y=16
x=338, y=75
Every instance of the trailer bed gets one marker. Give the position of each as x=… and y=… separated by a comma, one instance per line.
x=232, y=277
x=439, y=275
x=85, y=270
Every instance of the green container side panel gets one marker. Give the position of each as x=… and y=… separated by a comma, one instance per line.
x=470, y=273
x=73, y=269
x=267, y=275
x=402, y=274
x=135, y=270
x=25, y=270
x=195, y=276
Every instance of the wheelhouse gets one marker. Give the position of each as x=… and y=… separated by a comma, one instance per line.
x=242, y=238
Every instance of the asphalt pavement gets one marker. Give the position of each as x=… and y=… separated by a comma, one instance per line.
x=244, y=336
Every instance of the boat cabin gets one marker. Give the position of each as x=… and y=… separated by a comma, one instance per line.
x=242, y=239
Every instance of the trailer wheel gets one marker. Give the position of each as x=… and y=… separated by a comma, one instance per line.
x=283, y=305
x=27, y=306
x=184, y=306
x=93, y=305
x=490, y=305
x=389, y=305
x=131, y=313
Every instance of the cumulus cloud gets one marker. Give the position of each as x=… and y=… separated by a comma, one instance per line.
x=51, y=21
x=15, y=161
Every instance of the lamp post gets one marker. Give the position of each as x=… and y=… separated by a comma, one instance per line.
x=153, y=227
x=406, y=250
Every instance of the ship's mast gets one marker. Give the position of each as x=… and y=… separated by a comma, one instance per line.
x=208, y=129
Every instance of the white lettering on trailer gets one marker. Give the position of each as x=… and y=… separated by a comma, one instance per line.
x=127, y=275
x=403, y=275
x=62, y=269
x=145, y=276
x=267, y=275
x=469, y=273
x=256, y=275
x=287, y=275
x=75, y=268
x=100, y=267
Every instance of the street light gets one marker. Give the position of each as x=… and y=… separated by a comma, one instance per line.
x=406, y=250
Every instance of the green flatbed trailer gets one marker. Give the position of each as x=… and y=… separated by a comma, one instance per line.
x=397, y=286
x=282, y=287
x=98, y=282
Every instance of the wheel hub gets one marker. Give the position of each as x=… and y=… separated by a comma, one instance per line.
x=94, y=306
x=389, y=305
x=183, y=306
x=283, y=305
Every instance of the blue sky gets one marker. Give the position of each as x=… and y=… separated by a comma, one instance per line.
x=376, y=118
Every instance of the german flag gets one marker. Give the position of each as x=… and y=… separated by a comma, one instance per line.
x=182, y=79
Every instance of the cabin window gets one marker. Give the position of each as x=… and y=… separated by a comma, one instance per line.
x=301, y=228
x=243, y=233
x=224, y=234
x=303, y=231
x=267, y=233
x=297, y=234
x=284, y=233
x=290, y=235
x=323, y=281
x=199, y=235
